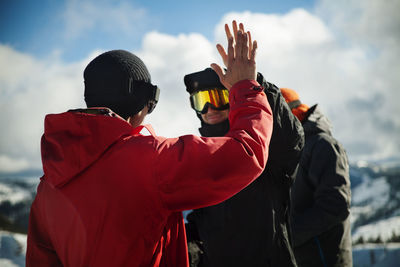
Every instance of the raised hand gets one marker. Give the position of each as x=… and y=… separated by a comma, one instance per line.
x=240, y=60
x=221, y=49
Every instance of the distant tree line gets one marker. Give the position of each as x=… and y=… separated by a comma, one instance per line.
x=395, y=238
x=14, y=217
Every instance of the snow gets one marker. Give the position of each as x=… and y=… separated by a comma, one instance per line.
x=369, y=196
x=8, y=263
x=12, y=249
x=13, y=194
x=383, y=229
x=373, y=192
x=17, y=189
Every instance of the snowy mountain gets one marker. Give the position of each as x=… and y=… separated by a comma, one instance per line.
x=16, y=196
x=12, y=249
x=375, y=203
x=375, y=215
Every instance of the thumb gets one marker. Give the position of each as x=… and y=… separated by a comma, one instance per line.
x=221, y=75
x=218, y=70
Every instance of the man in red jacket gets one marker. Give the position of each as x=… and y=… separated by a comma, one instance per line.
x=111, y=196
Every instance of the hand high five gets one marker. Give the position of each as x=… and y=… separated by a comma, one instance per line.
x=240, y=60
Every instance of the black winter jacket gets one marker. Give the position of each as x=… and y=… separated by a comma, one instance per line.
x=251, y=228
x=321, y=198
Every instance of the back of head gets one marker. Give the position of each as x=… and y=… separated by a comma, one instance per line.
x=119, y=80
x=293, y=100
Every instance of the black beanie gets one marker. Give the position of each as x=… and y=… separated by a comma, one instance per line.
x=201, y=80
x=114, y=80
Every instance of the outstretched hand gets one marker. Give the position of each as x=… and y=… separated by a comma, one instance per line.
x=240, y=60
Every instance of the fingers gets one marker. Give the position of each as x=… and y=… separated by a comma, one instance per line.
x=253, y=52
x=218, y=70
x=235, y=29
x=250, y=44
x=223, y=54
x=238, y=45
x=231, y=52
x=241, y=46
x=245, y=49
x=228, y=32
x=241, y=27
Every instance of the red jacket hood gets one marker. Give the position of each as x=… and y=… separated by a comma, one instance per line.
x=72, y=141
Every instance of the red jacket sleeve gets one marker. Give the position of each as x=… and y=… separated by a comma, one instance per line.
x=193, y=172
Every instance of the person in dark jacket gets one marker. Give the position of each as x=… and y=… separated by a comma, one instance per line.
x=112, y=196
x=251, y=228
x=321, y=193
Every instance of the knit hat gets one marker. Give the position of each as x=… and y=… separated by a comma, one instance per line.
x=293, y=100
x=204, y=79
x=119, y=80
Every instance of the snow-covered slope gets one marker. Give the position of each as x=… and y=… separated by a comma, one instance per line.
x=12, y=249
x=16, y=196
x=375, y=214
x=375, y=203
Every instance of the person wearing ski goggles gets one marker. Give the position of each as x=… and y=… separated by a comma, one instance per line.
x=264, y=201
x=210, y=99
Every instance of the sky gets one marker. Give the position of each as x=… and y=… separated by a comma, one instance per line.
x=343, y=55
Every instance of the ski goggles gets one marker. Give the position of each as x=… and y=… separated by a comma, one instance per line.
x=218, y=98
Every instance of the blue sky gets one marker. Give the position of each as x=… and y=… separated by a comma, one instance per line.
x=343, y=55
x=37, y=28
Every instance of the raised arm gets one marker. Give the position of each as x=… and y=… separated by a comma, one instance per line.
x=193, y=172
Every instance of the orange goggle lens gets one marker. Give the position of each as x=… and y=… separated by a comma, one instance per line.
x=218, y=98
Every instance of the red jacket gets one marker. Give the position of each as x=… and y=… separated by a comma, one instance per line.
x=113, y=197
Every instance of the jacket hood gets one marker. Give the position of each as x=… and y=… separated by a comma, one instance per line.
x=316, y=122
x=73, y=140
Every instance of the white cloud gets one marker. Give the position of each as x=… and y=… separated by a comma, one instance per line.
x=373, y=28
x=327, y=64
x=366, y=22
x=357, y=89
x=29, y=89
x=279, y=33
x=168, y=59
